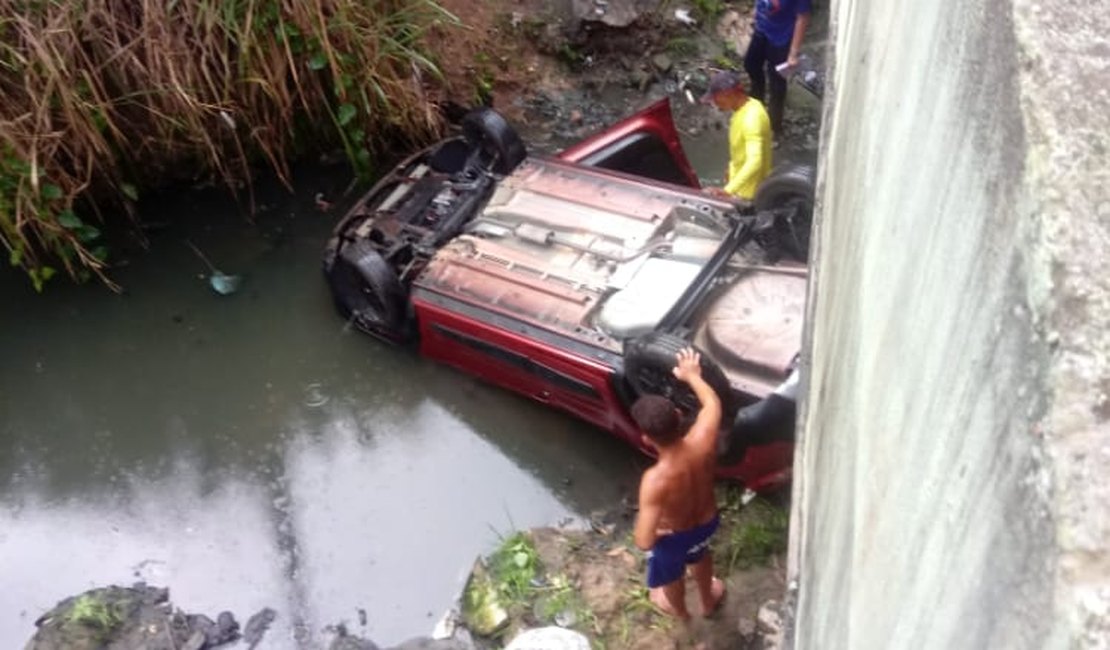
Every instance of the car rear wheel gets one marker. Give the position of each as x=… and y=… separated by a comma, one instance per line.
x=368, y=292
x=649, y=362
x=789, y=191
x=498, y=140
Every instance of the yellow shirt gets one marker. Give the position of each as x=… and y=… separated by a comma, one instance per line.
x=749, y=146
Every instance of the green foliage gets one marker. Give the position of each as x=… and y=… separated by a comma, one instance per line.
x=682, y=47
x=750, y=534
x=709, y=8
x=514, y=566
x=264, y=78
x=90, y=611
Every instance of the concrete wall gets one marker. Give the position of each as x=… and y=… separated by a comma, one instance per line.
x=953, y=477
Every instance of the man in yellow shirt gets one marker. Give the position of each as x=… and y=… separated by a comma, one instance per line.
x=749, y=136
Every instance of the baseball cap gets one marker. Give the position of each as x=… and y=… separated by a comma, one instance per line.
x=720, y=82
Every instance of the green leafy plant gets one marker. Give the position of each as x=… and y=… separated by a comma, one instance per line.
x=93, y=612
x=514, y=567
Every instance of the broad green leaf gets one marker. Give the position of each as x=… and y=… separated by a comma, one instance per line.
x=51, y=192
x=130, y=191
x=87, y=233
x=100, y=253
x=67, y=219
x=47, y=273
x=15, y=257
x=520, y=559
x=346, y=114
x=318, y=62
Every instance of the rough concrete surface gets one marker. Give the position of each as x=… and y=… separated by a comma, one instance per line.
x=951, y=488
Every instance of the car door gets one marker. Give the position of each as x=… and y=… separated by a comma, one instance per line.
x=645, y=144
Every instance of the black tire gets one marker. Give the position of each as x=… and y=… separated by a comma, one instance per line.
x=771, y=419
x=790, y=189
x=648, y=364
x=486, y=128
x=368, y=293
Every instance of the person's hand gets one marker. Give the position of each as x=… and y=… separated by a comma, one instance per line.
x=717, y=193
x=689, y=364
x=792, y=61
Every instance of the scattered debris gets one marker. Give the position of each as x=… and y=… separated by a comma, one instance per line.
x=139, y=617
x=220, y=282
x=683, y=16
x=549, y=638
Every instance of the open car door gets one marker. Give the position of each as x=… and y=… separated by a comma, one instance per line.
x=645, y=144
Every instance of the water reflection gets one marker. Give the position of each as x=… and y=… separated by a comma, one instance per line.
x=250, y=451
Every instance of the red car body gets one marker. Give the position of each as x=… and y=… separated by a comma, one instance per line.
x=571, y=280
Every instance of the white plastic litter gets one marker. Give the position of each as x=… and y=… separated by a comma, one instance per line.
x=549, y=638
x=683, y=16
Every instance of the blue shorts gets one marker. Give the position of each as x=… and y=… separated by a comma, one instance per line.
x=667, y=560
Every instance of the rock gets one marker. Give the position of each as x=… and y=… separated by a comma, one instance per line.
x=734, y=29
x=481, y=606
x=351, y=642
x=257, y=625
x=127, y=618
x=662, y=62
x=195, y=642
x=768, y=627
x=428, y=643
x=614, y=13
x=226, y=630
x=549, y=638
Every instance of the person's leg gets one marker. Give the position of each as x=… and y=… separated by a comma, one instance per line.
x=776, y=103
x=755, y=60
x=671, y=598
x=710, y=589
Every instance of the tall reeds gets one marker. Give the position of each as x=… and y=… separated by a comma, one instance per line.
x=99, y=98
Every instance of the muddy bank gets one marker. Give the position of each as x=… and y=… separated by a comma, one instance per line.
x=592, y=581
x=564, y=70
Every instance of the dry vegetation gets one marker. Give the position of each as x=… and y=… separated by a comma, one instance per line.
x=104, y=97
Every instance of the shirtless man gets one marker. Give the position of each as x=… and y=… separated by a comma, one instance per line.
x=678, y=511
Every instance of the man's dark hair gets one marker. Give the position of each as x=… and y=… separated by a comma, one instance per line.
x=657, y=416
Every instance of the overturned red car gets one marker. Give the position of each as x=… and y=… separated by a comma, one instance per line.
x=574, y=279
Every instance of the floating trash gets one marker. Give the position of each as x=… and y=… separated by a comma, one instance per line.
x=221, y=282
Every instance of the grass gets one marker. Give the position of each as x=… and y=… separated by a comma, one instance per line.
x=750, y=534
x=103, y=98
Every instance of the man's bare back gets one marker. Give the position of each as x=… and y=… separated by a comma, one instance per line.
x=678, y=511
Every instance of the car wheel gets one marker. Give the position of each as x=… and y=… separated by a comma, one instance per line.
x=648, y=364
x=790, y=190
x=486, y=128
x=368, y=292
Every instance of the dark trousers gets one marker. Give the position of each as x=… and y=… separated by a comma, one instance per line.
x=760, y=61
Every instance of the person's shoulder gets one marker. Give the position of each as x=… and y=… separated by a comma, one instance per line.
x=754, y=115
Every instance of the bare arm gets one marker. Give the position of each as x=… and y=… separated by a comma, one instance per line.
x=651, y=512
x=703, y=434
x=801, y=23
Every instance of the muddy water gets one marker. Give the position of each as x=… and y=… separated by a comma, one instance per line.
x=249, y=450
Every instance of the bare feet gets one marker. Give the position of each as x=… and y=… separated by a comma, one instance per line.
x=659, y=599
x=717, y=590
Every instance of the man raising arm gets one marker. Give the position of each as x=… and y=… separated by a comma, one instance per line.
x=678, y=511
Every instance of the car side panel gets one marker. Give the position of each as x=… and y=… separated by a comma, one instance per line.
x=523, y=364
x=656, y=121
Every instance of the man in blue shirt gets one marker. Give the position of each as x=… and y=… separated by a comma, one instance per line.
x=780, y=26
